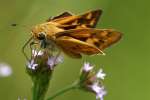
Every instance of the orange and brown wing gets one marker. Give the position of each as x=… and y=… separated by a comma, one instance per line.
x=88, y=19
x=64, y=14
x=106, y=38
x=100, y=38
x=67, y=51
x=74, y=47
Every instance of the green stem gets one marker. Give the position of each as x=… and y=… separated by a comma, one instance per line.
x=64, y=90
x=38, y=91
x=40, y=86
x=35, y=91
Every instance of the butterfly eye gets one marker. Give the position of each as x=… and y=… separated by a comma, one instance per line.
x=41, y=36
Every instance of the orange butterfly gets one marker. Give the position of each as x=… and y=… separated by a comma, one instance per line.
x=74, y=34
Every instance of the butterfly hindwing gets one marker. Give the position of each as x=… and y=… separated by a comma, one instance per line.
x=70, y=53
x=72, y=45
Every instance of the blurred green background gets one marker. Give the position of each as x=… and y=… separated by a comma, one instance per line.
x=127, y=64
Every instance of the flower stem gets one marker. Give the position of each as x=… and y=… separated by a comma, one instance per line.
x=35, y=88
x=64, y=90
x=39, y=90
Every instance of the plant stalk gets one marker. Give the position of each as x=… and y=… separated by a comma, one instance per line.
x=64, y=90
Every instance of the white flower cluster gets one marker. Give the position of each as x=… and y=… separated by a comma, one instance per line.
x=95, y=85
x=31, y=64
x=51, y=62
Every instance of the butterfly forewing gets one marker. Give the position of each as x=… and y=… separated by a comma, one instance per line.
x=88, y=19
x=64, y=14
x=107, y=37
x=97, y=39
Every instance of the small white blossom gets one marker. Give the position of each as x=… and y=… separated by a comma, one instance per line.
x=37, y=53
x=32, y=65
x=100, y=74
x=87, y=67
x=99, y=90
x=5, y=70
x=52, y=61
x=59, y=60
x=95, y=87
x=101, y=94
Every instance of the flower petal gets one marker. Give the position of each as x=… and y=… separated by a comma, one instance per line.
x=100, y=74
x=99, y=90
x=31, y=64
x=54, y=60
x=87, y=67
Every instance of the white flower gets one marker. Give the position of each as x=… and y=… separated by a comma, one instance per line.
x=87, y=67
x=5, y=70
x=52, y=61
x=37, y=53
x=59, y=59
x=99, y=90
x=100, y=74
x=32, y=65
x=100, y=95
x=95, y=87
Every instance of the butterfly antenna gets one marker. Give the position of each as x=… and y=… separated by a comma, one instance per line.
x=22, y=26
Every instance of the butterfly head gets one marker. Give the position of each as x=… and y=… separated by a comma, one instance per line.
x=39, y=32
x=46, y=30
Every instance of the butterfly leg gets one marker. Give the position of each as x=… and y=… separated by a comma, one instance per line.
x=23, y=48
